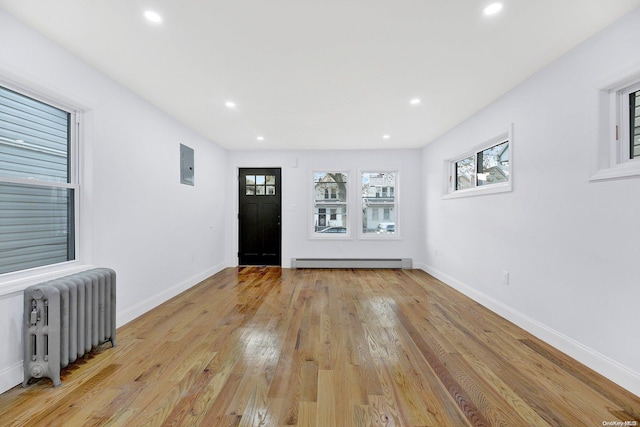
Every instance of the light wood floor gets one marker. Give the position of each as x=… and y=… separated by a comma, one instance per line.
x=324, y=348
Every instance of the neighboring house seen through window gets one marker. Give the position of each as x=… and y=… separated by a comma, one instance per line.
x=330, y=204
x=379, y=196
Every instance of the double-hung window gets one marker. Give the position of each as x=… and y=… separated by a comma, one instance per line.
x=330, y=204
x=379, y=204
x=485, y=169
x=38, y=183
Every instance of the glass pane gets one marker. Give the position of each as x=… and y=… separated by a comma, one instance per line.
x=330, y=186
x=251, y=190
x=34, y=139
x=464, y=173
x=634, y=99
x=260, y=191
x=330, y=209
x=260, y=179
x=378, y=202
x=36, y=226
x=271, y=180
x=271, y=190
x=331, y=220
x=250, y=179
x=493, y=164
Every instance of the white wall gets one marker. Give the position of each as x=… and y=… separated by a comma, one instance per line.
x=161, y=237
x=571, y=247
x=297, y=191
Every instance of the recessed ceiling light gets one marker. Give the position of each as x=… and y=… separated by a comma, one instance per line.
x=415, y=101
x=230, y=104
x=386, y=136
x=260, y=138
x=153, y=16
x=493, y=8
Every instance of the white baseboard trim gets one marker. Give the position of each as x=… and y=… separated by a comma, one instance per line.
x=128, y=314
x=11, y=376
x=616, y=372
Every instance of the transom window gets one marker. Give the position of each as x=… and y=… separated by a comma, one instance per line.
x=485, y=169
x=38, y=183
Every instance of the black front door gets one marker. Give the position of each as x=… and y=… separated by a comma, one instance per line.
x=259, y=217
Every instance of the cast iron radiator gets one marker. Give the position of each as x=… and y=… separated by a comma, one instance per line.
x=65, y=318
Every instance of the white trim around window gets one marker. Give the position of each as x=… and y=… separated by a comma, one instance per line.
x=461, y=177
x=13, y=281
x=609, y=150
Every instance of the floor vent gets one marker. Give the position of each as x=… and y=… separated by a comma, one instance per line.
x=404, y=263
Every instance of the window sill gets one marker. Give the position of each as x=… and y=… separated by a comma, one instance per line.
x=379, y=237
x=11, y=283
x=479, y=191
x=620, y=171
x=330, y=236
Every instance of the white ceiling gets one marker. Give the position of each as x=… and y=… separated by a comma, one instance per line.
x=327, y=74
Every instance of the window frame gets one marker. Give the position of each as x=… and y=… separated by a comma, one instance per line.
x=450, y=191
x=396, y=207
x=609, y=149
x=625, y=140
x=17, y=280
x=333, y=199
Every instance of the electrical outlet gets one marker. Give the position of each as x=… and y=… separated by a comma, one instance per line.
x=505, y=277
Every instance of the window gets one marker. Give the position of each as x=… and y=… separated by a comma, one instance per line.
x=260, y=185
x=615, y=147
x=379, y=190
x=38, y=183
x=634, y=131
x=330, y=204
x=630, y=120
x=485, y=169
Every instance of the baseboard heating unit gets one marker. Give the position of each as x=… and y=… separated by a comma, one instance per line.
x=404, y=263
x=65, y=319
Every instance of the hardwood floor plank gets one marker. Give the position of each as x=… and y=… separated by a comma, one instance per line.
x=308, y=414
x=259, y=346
x=326, y=410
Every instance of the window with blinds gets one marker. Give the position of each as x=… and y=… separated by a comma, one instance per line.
x=634, y=124
x=37, y=183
